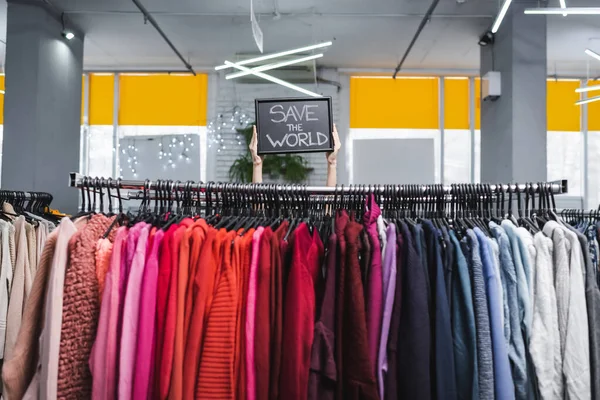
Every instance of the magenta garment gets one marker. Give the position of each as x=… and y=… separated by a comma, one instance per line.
x=143, y=381
x=131, y=311
x=104, y=355
x=389, y=292
x=126, y=258
x=374, y=298
x=251, y=316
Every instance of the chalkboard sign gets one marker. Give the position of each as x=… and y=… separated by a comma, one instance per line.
x=294, y=125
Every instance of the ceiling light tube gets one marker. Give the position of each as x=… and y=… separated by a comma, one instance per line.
x=278, y=81
x=275, y=55
x=586, y=101
x=273, y=66
x=592, y=53
x=563, y=5
x=563, y=11
x=501, y=16
x=586, y=89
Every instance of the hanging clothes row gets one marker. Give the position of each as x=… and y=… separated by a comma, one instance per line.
x=414, y=292
x=25, y=223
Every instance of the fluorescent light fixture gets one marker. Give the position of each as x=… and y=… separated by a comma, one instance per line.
x=273, y=66
x=592, y=53
x=565, y=11
x=275, y=55
x=586, y=101
x=563, y=5
x=278, y=81
x=585, y=89
x=501, y=15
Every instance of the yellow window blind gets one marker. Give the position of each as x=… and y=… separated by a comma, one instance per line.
x=593, y=114
x=162, y=99
x=456, y=103
x=2, y=100
x=404, y=103
x=477, y=103
x=562, y=113
x=101, y=98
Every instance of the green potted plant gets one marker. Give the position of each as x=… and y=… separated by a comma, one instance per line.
x=287, y=167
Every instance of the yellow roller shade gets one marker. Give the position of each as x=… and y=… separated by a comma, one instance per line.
x=101, y=97
x=477, y=103
x=404, y=103
x=593, y=114
x=162, y=99
x=562, y=113
x=2, y=100
x=456, y=103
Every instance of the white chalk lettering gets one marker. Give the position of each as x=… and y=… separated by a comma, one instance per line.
x=321, y=135
x=308, y=112
x=300, y=139
x=292, y=136
x=273, y=111
x=276, y=143
x=294, y=127
x=304, y=114
x=303, y=136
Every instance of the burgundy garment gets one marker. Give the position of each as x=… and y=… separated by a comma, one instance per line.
x=322, y=380
x=276, y=318
x=299, y=306
x=341, y=220
x=374, y=297
x=262, y=337
x=391, y=378
x=365, y=259
x=359, y=377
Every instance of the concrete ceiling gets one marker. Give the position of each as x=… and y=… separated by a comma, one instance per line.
x=366, y=34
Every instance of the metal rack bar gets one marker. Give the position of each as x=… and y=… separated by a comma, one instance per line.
x=78, y=180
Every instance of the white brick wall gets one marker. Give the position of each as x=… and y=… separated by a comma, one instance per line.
x=226, y=94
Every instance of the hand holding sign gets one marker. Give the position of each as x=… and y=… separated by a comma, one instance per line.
x=256, y=159
x=331, y=158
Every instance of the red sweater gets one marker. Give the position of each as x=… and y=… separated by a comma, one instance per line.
x=262, y=337
x=162, y=294
x=204, y=282
x=299, y=321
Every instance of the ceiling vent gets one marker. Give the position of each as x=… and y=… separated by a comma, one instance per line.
x=297, y=73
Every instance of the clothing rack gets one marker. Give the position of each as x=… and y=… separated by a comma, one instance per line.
x=25, y=198
x=79, y=181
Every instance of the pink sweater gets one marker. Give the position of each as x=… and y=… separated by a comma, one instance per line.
x=251, y=316
x=131, y=315
x=103, y=360
x=144, y=356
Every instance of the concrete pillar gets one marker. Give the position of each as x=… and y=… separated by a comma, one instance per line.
x=513, y=128
x=42, y=104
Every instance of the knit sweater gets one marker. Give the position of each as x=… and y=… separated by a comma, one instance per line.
x=18, y=371
x=216, y=379
x=544, y=344
x=103, y=253
x=7, y=231
x=18, y=289
x=81, y=309
x=104, y=358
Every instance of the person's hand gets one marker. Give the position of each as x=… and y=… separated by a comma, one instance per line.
x=337, y=145
x=256, y=159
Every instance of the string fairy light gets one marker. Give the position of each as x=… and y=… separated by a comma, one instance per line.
x=223, y=131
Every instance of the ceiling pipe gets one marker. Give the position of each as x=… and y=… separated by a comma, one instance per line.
x=150, y=18
x=426, y=17
x=282, y=14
